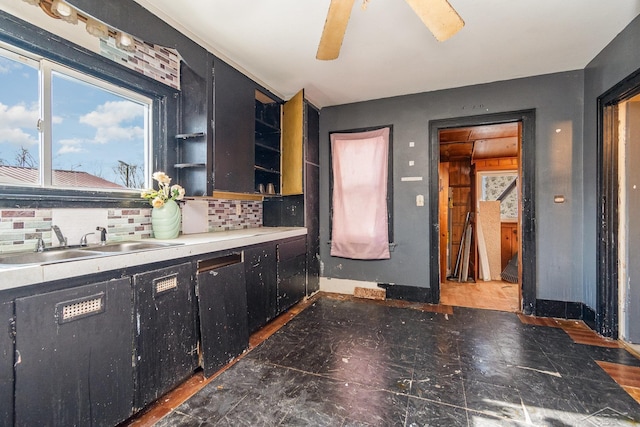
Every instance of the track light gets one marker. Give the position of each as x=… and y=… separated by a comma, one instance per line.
x=125, y=42
x=64, y=11
x=96, y=28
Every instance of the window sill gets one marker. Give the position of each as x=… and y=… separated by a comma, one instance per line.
x=24, y=197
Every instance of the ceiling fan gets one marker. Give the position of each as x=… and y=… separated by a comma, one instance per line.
x=438, y=15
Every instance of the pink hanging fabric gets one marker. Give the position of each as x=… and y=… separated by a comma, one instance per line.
x=360, y=221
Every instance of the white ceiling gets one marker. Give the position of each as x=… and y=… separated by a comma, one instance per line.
x=387, y=51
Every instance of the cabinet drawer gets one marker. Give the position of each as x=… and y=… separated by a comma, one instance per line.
x=292, y=248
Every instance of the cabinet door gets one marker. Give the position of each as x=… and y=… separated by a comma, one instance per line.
x=292, y=139
x=166, y=339
x=74, y=350
x=222, y=300
x=234, y=124
x=6, y=363
x=291, y=272
x=261, y=279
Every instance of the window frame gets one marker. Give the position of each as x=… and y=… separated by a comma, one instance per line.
x=36, y=42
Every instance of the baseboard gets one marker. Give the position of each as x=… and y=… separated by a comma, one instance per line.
x=566, y=310
x=409, y=293
x=344, y=286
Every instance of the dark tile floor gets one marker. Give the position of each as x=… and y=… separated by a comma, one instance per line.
x=351, y=363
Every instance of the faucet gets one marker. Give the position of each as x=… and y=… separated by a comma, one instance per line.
x=61, y=239
x=103, y=235
x=83, y=239
x=40, y=245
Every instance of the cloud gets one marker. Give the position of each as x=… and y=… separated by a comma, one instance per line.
x=7, y=65
x=73, y=145
x=15, y=121
x=110, y=121
x=113, y=113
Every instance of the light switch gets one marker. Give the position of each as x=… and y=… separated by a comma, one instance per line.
x=419, y=200
x=412, y=144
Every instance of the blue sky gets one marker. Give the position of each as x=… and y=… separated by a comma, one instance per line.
x=92, y=129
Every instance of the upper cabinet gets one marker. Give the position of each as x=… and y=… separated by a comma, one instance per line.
x=192, y=156
x=239, y=139
x=292, y=145
x=267, y=144
x=233, y=129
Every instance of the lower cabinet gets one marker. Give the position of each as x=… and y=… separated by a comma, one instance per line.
x=261, y=277
x=73, y=356
x=292, y=275
x=222, y=300
x=6, y=364
x=166, y=341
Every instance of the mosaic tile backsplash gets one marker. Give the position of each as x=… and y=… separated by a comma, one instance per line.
x=20, y=229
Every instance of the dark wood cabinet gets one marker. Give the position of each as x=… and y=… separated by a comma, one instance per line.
x=233, y=129
x=166, y=340
x=193, y=154
x=261, y=280
x=222, y=301
x=6, y=363
x=291, y=272
x=74, y=356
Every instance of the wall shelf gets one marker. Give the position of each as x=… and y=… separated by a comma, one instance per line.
x=267, y=151
x=186, y=136
x=189, y=165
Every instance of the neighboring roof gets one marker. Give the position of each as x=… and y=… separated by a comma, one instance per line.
x=21, y=175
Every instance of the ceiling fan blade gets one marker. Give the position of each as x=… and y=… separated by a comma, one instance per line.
x=334, y=29
x=439, y=17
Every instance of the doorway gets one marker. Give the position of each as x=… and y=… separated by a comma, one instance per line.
x=510, y=155
x=479, y=216
x=618, y=290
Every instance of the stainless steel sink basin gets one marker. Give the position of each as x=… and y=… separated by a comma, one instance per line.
x=131, y=246
x=46, y=257
x=52, y=256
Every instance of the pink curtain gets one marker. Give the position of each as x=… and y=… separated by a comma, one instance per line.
x=360, y=167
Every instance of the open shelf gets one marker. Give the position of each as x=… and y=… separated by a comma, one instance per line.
x=267, y=142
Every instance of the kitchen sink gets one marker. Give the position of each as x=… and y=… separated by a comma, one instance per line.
x=131, y=246
x=47, y=257
x=52, y=256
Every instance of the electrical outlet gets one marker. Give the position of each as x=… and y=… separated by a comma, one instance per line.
x=419, y=200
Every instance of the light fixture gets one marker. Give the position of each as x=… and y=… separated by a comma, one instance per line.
x=96, y=28
x=125, y=42
x=64, y=11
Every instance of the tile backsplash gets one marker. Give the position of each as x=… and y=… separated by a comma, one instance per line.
x=20, y=229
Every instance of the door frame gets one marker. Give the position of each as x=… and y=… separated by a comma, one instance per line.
x=527, y=186
x=608, y=219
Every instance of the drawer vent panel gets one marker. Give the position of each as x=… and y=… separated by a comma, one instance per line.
x=164, y=284
x=76, y=309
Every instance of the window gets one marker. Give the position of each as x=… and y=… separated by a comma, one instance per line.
x=361, y=193
x=500, y=186
x=60, y=128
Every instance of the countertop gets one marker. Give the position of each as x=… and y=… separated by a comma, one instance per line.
x=188, y=245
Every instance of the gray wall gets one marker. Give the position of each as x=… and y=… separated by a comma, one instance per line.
x=615, y=62
x=557, y=99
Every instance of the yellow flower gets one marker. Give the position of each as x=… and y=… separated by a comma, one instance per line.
x=157, y=202
x=161, y=177
x=164, y=193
